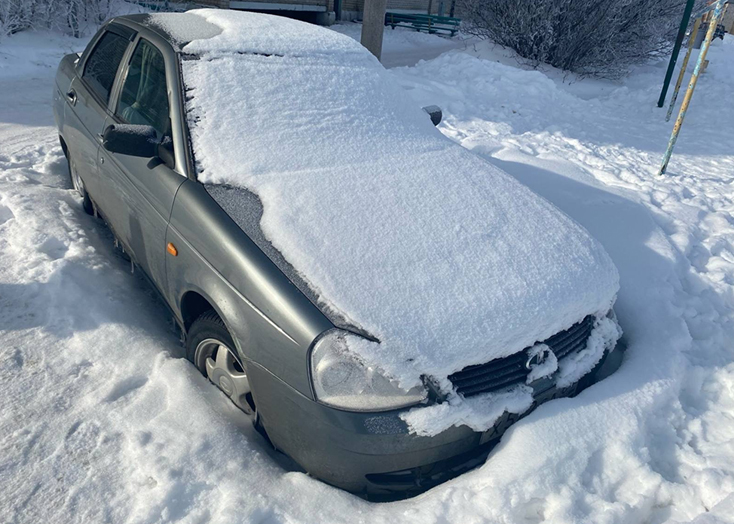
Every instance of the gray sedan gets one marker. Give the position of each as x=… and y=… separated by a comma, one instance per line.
x=253, y=323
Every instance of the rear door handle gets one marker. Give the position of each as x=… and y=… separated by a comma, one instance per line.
x=71, y=96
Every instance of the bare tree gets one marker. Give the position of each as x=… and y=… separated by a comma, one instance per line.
x=589, y=37
x=70, y=16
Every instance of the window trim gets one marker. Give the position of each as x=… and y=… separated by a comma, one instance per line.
x=124, y=32
x=174, y=82
x=125, y=70
x=182, y=168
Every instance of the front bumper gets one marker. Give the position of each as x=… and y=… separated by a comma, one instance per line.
x=374, y=454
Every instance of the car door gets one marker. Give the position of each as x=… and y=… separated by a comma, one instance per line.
x=87, y=103
x=142, y=190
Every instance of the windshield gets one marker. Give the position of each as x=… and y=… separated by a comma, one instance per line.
x=290, y=113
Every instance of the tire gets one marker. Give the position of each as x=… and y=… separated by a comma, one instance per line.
x=207, y=325
x=78, y=185
x=210, y=347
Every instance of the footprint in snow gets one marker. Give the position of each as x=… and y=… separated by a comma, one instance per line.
x=5, y=214
x=53, y=248
x=125, y=387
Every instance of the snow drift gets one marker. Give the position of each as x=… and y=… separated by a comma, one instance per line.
x=444, y=259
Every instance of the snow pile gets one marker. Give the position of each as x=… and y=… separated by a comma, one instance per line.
x=604, y=336
x=479, y=413
x=444, y=259
x=482, y=411
x=548, y=366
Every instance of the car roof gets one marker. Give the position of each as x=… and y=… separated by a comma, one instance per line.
x=224, y=31
x=177, y=28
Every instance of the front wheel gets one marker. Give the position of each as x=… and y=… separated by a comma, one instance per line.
x=210, y=347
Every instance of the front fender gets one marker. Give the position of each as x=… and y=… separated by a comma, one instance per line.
x=272, y=322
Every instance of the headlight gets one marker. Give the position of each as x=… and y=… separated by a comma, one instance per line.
x=342, y=381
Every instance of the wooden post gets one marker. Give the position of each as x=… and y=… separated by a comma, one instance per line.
x=718, y=9
x=683, y=67
x=373, y=25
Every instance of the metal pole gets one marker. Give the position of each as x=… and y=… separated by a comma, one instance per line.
x=692, y=85
x=703, y=11
x=338, y=10
x=676, y=50
x=683, y=67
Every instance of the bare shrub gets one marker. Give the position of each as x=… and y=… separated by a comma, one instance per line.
x=589, y=37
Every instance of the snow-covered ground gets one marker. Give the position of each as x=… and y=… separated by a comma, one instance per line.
x=101, y=420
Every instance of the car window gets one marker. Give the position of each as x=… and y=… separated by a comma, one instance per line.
x=103, y=62
x=144, y=97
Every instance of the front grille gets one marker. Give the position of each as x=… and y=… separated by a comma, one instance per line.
x=508, y=371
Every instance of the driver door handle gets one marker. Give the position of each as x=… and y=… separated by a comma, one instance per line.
x=71, y=96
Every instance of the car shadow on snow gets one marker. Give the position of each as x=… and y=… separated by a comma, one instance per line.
x=655, y=333
x=624, y=226
x=77, y=297
x=626, y=229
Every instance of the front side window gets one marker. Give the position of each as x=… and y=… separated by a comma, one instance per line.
x=144, y=97
x=103, y=62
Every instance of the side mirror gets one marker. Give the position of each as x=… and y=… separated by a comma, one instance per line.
x=435, y=113
x=130, y=139
x=165, y=152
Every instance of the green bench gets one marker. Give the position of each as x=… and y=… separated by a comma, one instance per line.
x=428, y=23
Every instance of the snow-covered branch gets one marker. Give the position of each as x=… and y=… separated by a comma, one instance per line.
x=69, y=16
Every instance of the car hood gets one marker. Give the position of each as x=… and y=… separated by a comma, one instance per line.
x=441, y=257
x=443, y=278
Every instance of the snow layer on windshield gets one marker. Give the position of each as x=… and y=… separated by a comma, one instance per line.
x=446, y=260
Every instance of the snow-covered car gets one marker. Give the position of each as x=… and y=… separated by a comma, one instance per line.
x=383, y=302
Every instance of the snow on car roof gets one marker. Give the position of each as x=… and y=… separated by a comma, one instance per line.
x=180, y=28
x=218, y=30
x=443, y=258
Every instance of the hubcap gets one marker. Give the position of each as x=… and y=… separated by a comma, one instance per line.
x=224, y=371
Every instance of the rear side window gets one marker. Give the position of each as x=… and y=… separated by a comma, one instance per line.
x=102, y=64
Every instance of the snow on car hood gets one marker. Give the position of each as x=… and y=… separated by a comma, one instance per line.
x=446, y=260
